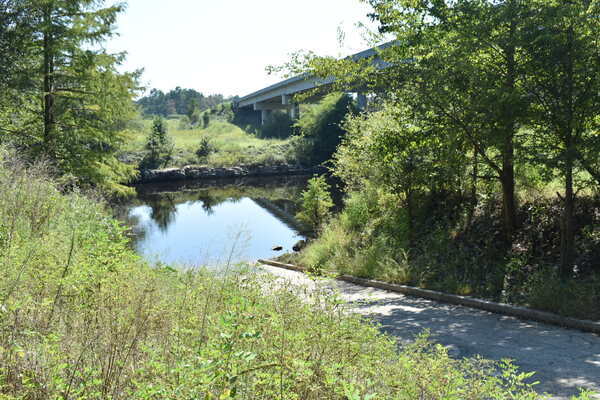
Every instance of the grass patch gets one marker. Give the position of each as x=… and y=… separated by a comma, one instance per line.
x=231, y=146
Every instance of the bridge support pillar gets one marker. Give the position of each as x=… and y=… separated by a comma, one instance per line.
x=294, y=111
x=361, y=101
x=264, y=116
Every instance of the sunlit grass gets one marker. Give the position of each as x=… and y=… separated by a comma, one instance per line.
x=231, y=145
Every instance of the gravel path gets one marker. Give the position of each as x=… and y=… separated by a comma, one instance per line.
x=565, y=360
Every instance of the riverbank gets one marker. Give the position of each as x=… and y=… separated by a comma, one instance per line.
x=458, y=253
x=192, y=172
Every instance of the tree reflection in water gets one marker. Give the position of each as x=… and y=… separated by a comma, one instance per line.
x=178, y=219
x=164, y=210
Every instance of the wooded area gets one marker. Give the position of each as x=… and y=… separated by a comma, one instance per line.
x=61, y=95
x=487, y=114
x=180, y=101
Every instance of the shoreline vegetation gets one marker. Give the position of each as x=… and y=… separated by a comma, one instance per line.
x=219, y=144
x=475, y=168
x=225, y=137
x=84, y=317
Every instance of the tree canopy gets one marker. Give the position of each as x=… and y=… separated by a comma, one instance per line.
x=177, y=101
x=508, y=85
x=65, y=99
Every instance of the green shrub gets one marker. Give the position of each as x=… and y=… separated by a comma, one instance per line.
x=316, y=203
x=579, y=299
x=331, y=251
x=204, y=148
x=359, y=209
x=184, y=123
x=159, y=147
x=205, y=119
x=320, y=127
x=301, y=150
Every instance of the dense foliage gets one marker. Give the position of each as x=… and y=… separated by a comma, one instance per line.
x=84, y=318
x=477, y=169
x=220, y=144
x=61, y=96
x=319, y=129
x=178, y=101
x=316, y=203
x=229, y=136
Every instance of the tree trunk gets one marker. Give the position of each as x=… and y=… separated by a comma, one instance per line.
x=508, y=149
x=509, y=210
x=474, y=177
x=567, y=242
x=410, y=218
x=48, y=85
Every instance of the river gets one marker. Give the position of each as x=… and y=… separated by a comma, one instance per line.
x=215, y=223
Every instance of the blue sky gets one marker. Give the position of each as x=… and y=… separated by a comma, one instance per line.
x=223, y=46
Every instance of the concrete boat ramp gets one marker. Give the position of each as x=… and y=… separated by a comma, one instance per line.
x=565, y=360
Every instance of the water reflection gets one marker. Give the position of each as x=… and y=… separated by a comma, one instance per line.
x=163, y=210
x=215, y=222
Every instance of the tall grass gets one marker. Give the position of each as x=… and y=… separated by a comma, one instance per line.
x=83, y=317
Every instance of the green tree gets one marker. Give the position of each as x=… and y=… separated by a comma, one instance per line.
x=192, y=105
x=14, y=35
x=15, y=48
x=177, y=101
x=316, y=203
x=389, y=149
x=205, y=147
x=457, y=65
x=75, y=103
x=158, y=145
x=562, y=54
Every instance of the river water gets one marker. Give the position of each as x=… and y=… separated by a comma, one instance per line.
x=215, y=223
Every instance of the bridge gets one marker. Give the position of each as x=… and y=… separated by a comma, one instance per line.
x=280, y=95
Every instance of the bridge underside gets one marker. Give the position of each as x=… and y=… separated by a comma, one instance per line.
x=282, y=102
x=286, y=103
x=280, y=95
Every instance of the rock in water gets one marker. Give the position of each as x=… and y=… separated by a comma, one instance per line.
x=299, y=246
x=277, y=248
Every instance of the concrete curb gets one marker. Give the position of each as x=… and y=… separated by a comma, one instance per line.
x=498, y=308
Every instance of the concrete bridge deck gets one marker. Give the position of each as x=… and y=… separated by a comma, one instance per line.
x=280, y=95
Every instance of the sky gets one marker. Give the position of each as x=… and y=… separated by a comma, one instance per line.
x=224, y=46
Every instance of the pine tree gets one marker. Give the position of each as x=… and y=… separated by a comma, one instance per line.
x=77, y=101
x=158, y=145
